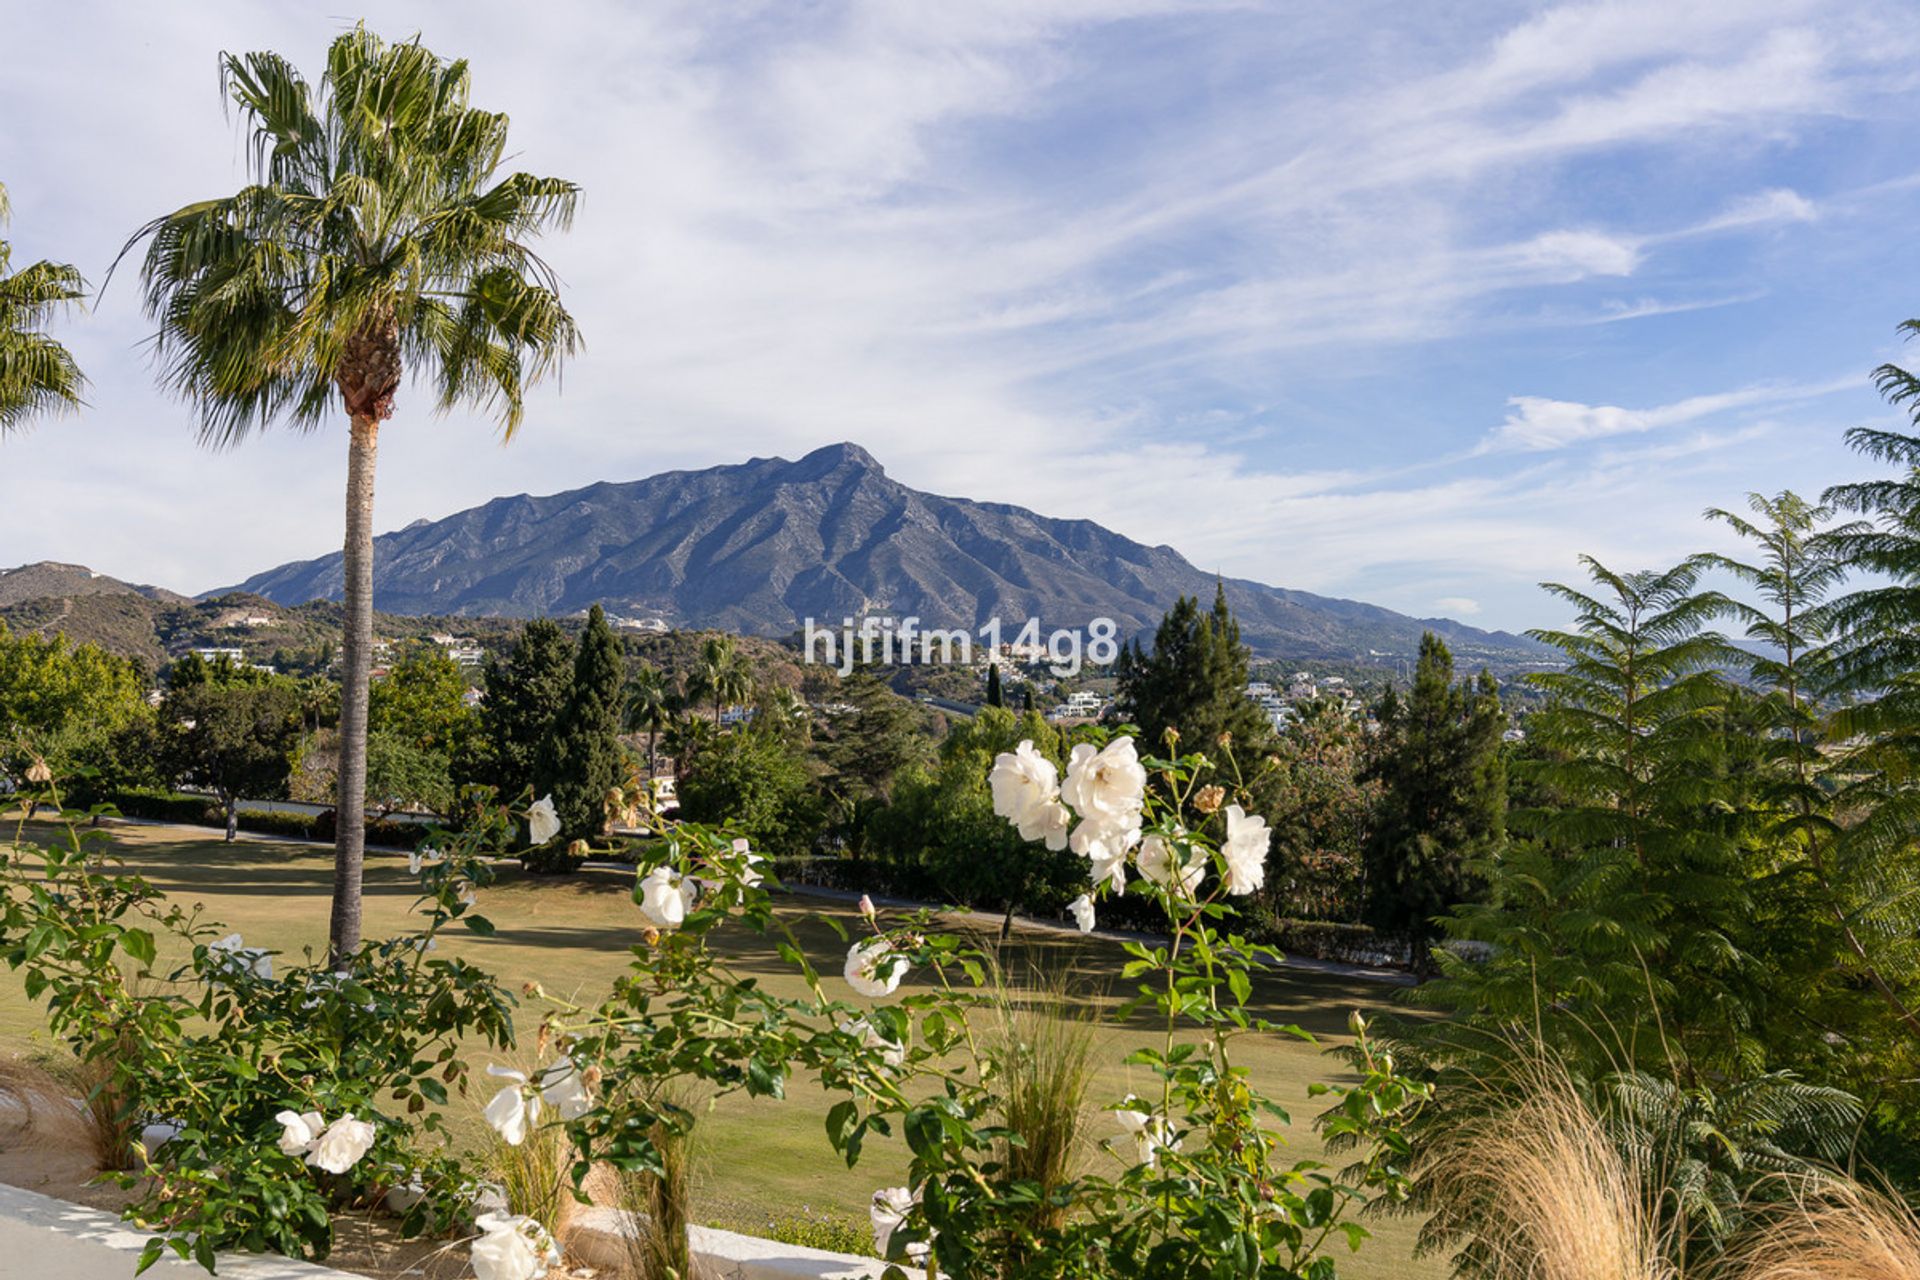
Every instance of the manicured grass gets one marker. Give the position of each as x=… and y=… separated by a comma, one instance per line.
x=762, y=1159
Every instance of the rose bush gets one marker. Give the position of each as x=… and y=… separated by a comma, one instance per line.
x=284, y=1096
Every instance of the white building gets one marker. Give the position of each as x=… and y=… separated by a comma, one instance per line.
x=214, y=655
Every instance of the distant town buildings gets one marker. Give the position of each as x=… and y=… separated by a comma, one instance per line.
x=1301, y=686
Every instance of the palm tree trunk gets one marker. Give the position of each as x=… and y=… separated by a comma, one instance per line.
x=356, y=668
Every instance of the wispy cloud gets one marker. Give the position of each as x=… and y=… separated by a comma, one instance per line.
x=1210, y=273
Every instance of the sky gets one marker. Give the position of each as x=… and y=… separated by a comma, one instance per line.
x=1413, y=303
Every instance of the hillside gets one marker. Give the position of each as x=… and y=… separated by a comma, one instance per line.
x=760, y=546
x=49, y=580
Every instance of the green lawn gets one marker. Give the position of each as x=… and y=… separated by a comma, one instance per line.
x=761, y=1158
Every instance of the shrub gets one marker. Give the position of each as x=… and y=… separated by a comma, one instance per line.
x=289, y=1095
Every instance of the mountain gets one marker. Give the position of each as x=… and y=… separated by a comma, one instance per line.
x=760, y=546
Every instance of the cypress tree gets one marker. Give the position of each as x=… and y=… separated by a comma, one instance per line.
x=1026, y=698
x=996, y=697
x=580, y=760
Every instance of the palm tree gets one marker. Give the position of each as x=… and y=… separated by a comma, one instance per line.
x=649, y=709
x=719, y=674
x=376, y=239
x=37, y=374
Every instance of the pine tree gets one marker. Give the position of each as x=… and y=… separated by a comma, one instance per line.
x=1194, y=681
x=1443, y=795
x=579, y=764
x=865, y=745
x=524, y=694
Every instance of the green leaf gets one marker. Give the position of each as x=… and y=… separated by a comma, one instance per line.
x=138, y=943
x=842, y=1119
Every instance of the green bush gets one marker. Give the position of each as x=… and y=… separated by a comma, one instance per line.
x=756, y=785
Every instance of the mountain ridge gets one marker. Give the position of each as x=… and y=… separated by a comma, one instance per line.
x=760, y=546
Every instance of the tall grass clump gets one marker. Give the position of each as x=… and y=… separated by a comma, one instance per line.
x=69, y=1104
x=536, y=1175
x=660, y=1207
x=1833, y=1229
x=1540, y=1191
x=1042, y=1048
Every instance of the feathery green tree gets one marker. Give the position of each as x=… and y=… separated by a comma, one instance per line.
x=1873, y=862
x=377, y=238
x=1637, y=931
x=37, y=374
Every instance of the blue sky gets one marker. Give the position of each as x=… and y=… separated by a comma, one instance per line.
x=1407, y=302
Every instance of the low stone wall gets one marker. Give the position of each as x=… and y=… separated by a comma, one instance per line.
x=598, y=1237
x=48, y=1239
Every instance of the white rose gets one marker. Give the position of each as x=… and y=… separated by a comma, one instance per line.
x=665, y=897
x=869, y=1036
x=341, y=1146
x=889, y=1209
x=237, y=956
x=1157, y=865
x=1108, y=785
x=1026, y=792
x=512, y=1247
x=873, y=970
x=1106, y=847
x=749, y=872
x=1151, y=1135
x=1245, y=850
x=1082, y=911
x=298, y=1129
x=563, y=1089
x=543, y=824
x=512, y=1111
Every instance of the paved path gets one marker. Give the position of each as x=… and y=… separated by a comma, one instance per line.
x=48, y=1239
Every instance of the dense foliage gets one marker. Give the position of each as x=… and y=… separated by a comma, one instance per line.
x=284, y=1097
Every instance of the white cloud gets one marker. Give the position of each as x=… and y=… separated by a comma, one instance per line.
x=1457, y=606
x=1536, y=423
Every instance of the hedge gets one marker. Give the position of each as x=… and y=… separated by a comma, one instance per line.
x=198, y=811
x=1317, y=939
